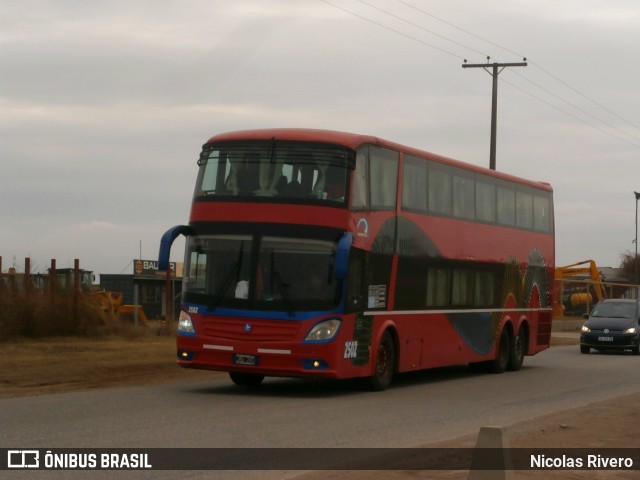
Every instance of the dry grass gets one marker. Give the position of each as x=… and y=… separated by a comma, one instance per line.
x=38, y=366
x=43, y=314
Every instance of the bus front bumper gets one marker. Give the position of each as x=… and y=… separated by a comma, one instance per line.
x=270, y=359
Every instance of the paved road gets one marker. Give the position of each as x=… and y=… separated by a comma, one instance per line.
x=418, y=409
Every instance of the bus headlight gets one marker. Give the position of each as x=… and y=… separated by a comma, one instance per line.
x=185, y=325
x=630, y=330
x=323, y=331
x=585, y=329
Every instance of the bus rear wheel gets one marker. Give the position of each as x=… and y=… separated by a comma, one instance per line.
x=246, y=379
x=517, y=350
x=385, y=362
x=501, y=361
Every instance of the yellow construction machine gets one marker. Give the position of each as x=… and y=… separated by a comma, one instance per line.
x=111, y=302
x=577, y=284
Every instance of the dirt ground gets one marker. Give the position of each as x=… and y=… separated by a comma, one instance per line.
x=67, y=364
x=36, y=367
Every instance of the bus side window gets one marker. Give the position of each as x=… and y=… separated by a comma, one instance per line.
x=541, y=214
x=414, y=184
x=383, y=177
x=440, y=191
x=360, y=197
x=524, y=210
x=506, y=201
x=485, y=202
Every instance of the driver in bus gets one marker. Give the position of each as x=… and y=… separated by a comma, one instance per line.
x=335, y=183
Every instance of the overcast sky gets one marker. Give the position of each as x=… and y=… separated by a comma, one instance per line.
x=104, y=106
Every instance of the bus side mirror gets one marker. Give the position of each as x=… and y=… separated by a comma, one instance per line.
x=166, y=242
x=342, y=256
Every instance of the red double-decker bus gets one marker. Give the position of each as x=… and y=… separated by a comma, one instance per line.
x=313, y=253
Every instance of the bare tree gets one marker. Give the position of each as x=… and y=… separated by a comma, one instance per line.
x=630, y=265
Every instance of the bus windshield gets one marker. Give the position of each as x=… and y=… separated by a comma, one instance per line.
x=227, y=271
x=273, y=170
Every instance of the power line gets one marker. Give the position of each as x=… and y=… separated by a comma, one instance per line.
x=424, y=29
x=543, y=70
x=546, y=72
x=584, y=96
x=386, y=27
x=585, y=112
x=460, y=28
x=555, y=107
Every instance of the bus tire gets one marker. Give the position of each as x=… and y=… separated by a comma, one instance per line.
x=518, y=350
x=246, y=379
x=384, y=363
x=501, y=361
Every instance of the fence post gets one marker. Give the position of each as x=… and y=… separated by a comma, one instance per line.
x=53, y=280
x=27, y=276
x=76, y=291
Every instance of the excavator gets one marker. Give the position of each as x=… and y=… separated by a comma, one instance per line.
x=594, y=285
x=111, y=302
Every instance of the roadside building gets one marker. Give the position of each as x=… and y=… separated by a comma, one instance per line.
x=148, y=287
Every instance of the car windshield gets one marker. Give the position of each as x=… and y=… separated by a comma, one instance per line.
x=276, y=171
x=615, y=310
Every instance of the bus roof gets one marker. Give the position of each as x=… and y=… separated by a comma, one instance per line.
x=354, y=140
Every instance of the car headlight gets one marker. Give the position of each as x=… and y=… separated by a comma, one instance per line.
x=185, y=325
x=323, y=331
x=585, y=329
x=630, y=330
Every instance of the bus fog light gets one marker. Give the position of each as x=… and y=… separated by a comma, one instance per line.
x=314, y=364
x=185, y=355
x=323, y=331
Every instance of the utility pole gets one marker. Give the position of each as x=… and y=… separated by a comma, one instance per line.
x=635, y=259
x=494, y=72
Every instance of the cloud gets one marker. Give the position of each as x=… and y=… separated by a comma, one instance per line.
x=105, y=106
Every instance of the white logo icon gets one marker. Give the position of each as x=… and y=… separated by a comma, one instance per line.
x=23, y=459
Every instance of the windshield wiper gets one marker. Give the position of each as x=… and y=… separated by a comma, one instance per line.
x=235, y=269
x=224, y=287
x=283, y=290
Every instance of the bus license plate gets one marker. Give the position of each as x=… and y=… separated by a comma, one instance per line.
x=605, y=339
x=240, y=359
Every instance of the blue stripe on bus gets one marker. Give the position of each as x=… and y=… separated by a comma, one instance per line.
x=476, y=330
x=264, y=314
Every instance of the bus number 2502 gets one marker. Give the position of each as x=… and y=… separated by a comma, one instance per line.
x=350, y=349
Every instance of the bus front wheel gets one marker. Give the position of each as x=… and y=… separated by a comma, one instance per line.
x=246, y=379
x=385, y=361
